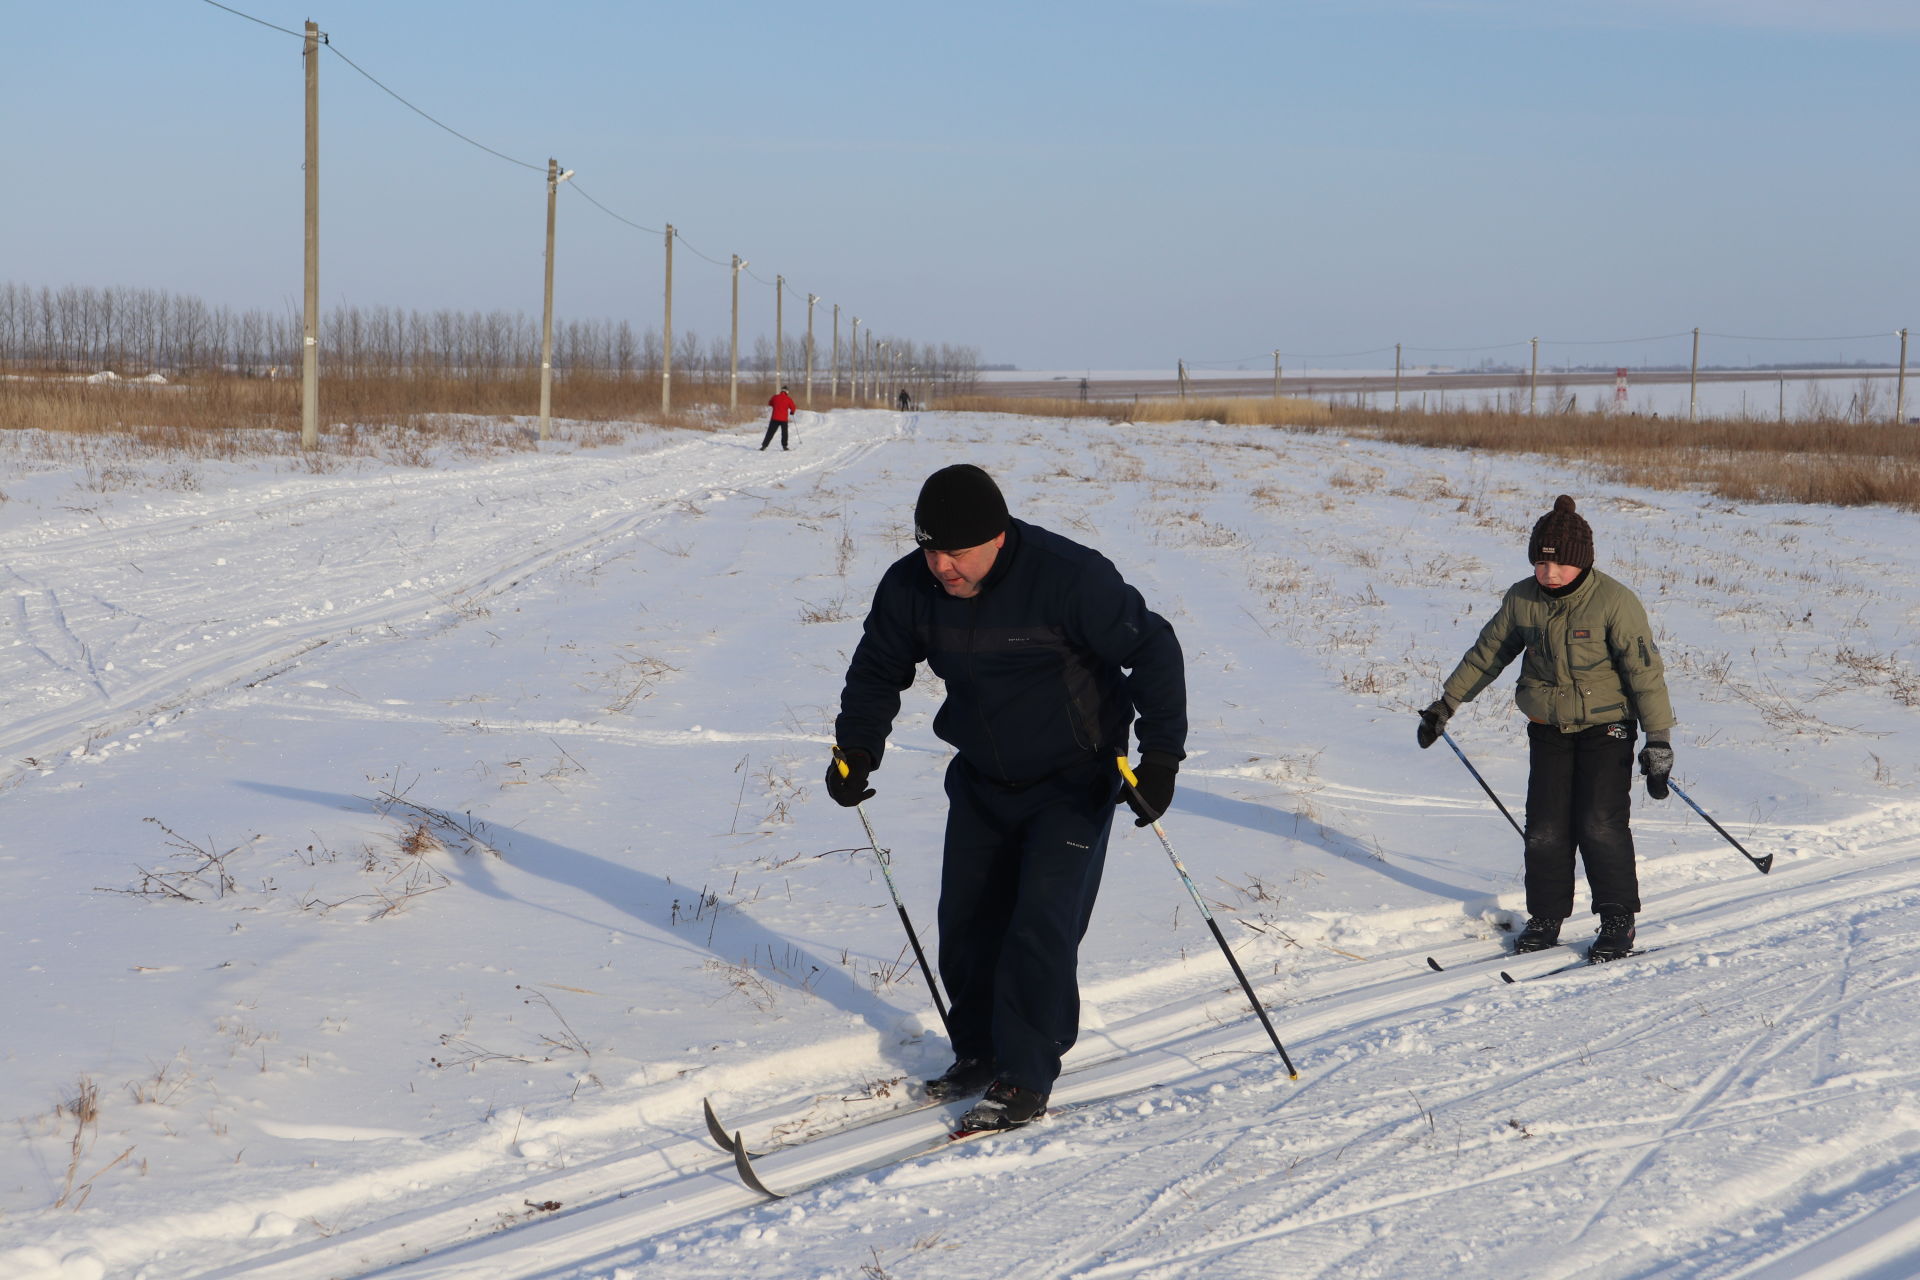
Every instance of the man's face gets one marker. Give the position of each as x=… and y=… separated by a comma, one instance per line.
x=1551, y=573
x=961, y=572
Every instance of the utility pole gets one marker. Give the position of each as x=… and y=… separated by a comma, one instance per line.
x=666, y=341
x=885, y=372
x=1396, y=377
x=554, y=179
x=1276, y=375
x=1900, y=386
x=733, y=358
x=1693, y=380
x=779, y=305
x=870, y=383
x=833, y=370
x=310, y=314
x=1533, y=379
x=853, y=362
x=1182, y=366
x=811, y=299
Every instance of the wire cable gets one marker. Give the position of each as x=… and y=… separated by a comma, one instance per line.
x=1610, y=342
x=263, y=22
x=611, y=214
x=537, y=168
x=696, y=253
x=325, y=40
x=1745, y=337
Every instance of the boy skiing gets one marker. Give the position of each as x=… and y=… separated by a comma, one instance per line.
x=1590, y=673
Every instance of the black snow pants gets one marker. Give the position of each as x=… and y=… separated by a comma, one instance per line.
x=1021, y=869
x=1577, y=798
x=773, y=425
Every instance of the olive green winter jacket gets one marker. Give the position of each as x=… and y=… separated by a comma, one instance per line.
x=1590, y=657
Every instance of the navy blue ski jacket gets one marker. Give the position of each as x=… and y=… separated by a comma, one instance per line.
x=1036, y=665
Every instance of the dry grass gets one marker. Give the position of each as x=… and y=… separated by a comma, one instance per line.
x=224, y=416
x=1828, y=460
x=1229, y=411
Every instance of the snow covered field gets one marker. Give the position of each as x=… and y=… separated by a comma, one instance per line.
x=393, y=859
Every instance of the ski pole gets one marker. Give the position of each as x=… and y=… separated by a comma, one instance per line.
x=1765, y=864
x=1483, y=782
x=885, y=859
x=1133, y=785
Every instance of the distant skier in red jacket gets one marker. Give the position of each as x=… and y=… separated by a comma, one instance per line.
x=783, y=407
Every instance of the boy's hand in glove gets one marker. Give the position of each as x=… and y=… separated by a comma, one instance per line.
x=1433, y=723
x=847, y=776
x=1152, y=791
x=1656, y=761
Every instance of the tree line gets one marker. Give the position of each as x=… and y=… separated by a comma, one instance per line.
x=82, y=329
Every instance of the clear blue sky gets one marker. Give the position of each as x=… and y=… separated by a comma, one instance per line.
x=1063, y=185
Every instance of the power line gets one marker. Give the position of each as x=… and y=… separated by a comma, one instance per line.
x=263, y=22
x=327, y=41
x=1742, y=337
x=1609, y=342
x=696, y=253
x=611, y=214
x=537, y=168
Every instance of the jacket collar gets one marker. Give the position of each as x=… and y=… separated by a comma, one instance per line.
x=1003, y=562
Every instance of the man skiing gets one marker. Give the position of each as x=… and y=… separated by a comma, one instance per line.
x=783, y=406
x=1589, y=674
x=1048, y=656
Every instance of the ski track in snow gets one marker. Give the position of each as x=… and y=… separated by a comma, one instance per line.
x=1736, y=1104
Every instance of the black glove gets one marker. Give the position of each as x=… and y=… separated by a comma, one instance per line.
x=1152, y=790
x=1656, y=761
x=850, y=789
x=1433, y=723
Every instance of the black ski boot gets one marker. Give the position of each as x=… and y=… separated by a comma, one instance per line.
x=1006, y=1106
x=1541, y=933
x=1615, y=939
x=966, y=1077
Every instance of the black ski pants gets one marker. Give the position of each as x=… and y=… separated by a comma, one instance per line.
x=1020, y=872
x=1577, y=799
x=773, y=425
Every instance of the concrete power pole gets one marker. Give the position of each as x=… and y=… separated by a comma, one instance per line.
x=870, y=385
x=853, y=362
x=1276, y=375
x=833, y=370
x=666, y=340
x=779, y=313
x=554, y=179
x=733, y=360
x=1396, y=377
x=811, y=299
x=1693, y=380
x=310, y=315
x=1533, y=378
x=1900, y=386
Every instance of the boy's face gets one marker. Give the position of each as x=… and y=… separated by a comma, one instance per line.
x=1551, y=573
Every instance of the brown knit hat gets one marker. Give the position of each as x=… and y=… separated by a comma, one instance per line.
x=1562, y=536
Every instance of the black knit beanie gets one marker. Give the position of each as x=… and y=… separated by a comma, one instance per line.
x=1562, y=536
x=959, y=507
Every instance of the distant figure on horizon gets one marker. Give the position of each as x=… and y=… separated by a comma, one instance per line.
x=906, y=401
x=783, y=407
